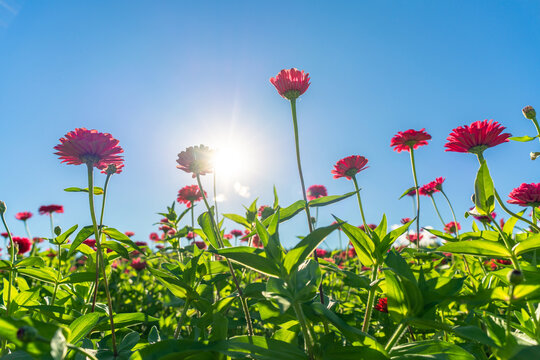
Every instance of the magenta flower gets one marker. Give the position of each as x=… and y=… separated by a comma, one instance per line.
x=291, y=83
x=316, y=191
x=526, y=195
x=405, y=140
x=23, y=216
x=349, y=166
x=477, y=137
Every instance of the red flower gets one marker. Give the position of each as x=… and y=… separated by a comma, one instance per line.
x=450, y=228
x=38, y=240
x=291, y=83
x=141, y=244
x=4, y=235
x=236, y=233
x=405, y=140
x=413, y=238
x=321, y=253
x=526, y=195
x=265, y=211
x=138, y=264
x=349, y=166
x=23, y=216
x=484, y=218
x=49, y=209
x=200, y=244
x=92, y=147
x=159, y=246
x=432, y=187
x=91, y=243
x=477, y=137
x=129, y=233
x=189, y=194
x=50, y=254
x=191, y=235
x=405, y=220
x=196, y=160
x=316, y=191
x=110, y=169
x=256, y=242
x=23, y=244
x=227, y=236
x=382, y=305
x=371, y=226
x=503, y=261
x=154, y=236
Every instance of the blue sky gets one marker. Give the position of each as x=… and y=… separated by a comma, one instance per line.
x=164, y=75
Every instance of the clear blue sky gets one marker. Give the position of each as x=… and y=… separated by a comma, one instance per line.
x=164, y=75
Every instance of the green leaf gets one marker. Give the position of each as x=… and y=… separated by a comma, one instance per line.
x=125, y=320
x=476, y=247
x=237, y=219
x=178, y=287
x=484, y=195
x=63, y=237
x=407, y=191
x=123, y=238
x=532, y=243
x=116, y=247
x=248, y=257
x=363, y=245
x=288, y=212
x=82, y=326
x=129, y=341
x=30, y=261
x=205, y=222
x=327, y=200
x=79, y=277
x=83, y=234
x=525, y=138
x=153, y=335
x=97, y=190
x=397, y=304
x=304, y=248
x=44, y=274
x=431, y=349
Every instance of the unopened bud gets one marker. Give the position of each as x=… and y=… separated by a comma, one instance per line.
x=529, y=112
x=26, y=333
x=515, y=277
x=534, y=155
x=57, y=230
x=2, y=207
x=111, y=169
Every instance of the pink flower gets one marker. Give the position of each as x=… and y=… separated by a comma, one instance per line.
x=405, y=220
x=154, y=236
x=49, y=209
x=484, y=218
x=265, y=211
x=227, y=236
x=38, y=240
x=141, y=244
x=291, y=83
x=129, y=233
x=111, y=169
x=138, y=264
x=83, y=146
x=450, y=228
x=236, y=233
x=321, y=253
x=23, y=244
x=189, y=195
x=477, y=137
x=191, y=235
x=432, y=187
x=349, y=166
x=371, y=226
x=405, y=140
x=91, y=243
x=23, y=216
x=200, y=244
x=526, y=195
x=316, y=191
x=196, y=160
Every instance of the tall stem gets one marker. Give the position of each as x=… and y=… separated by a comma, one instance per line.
x=215, y=198
x=217, y=234
x=437, y=210
x=308, y=338
x=304, y=193
x=366, y=227
x=100, y=252
x=452, y=211
x=10, y=274
x=371, y=299
x=395, y=337
x=413, y=165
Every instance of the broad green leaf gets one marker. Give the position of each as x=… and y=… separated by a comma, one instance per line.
x=30, y=261
x=153, y=335
x=83, y=234
x=484, y=195
x=82, y=326
x=304, y=248
x=431, y=349
x=288, y=212
x=237, y=219
x=123, y=238
x=363, y=245
x=175, y=285
x=476, y=247
x=44, y=274
x=248, y=257
x=327, y=200
x=205, y=222
x=116, y=247
x=125, y=320
x=79, y=277
x=407, y=191
x=64, y=236
x=392, y=236
x=532, y=243
x=58, y=346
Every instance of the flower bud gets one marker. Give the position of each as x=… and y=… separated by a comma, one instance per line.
x=534, y=155
x=111, y=169
x=2, y=207
x=57, y=230
x=529, y=112
x=26, y=333
x=515, y=277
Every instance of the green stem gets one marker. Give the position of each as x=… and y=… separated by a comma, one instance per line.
x=452, y=211
x=536, y=126
x=10, y=274
x=437, y=210
x=509, y=310
x=182, y=318
x=304, y=193
x=82, y=351
x=371, y=299
x=217, y=234
x=366, y=227
x=413, y=165
x=215, y=198
x=308, y=338
x=100, y=252
x=52, y=225
x=395, y=337
x=509, y=212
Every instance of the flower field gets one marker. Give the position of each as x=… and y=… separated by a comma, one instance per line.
x=213, y=285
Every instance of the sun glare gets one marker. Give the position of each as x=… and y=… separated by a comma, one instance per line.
x=230, y=161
